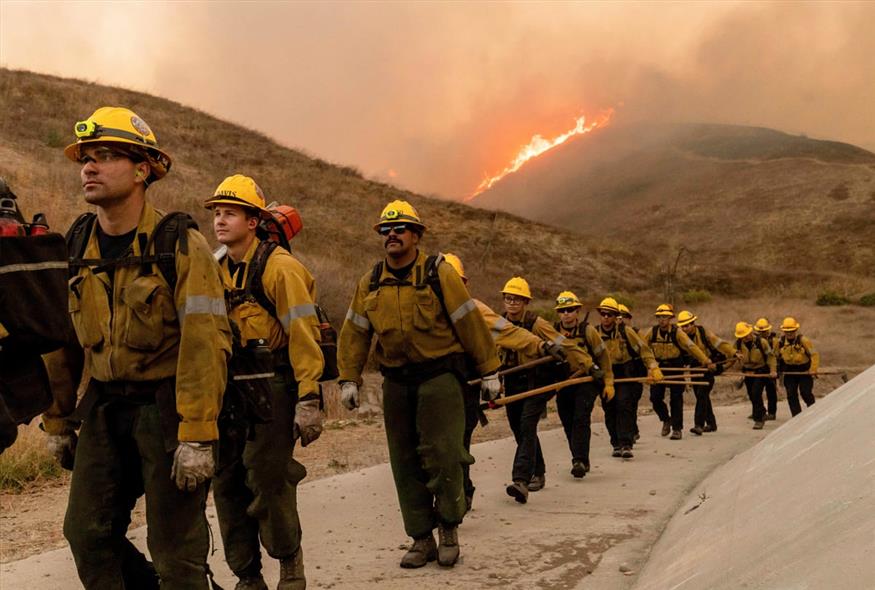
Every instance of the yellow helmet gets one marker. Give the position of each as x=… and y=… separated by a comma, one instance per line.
x=456, y=263
x=517, y=286
x=685, y=317
x=609, y=304
x=567, y=300
x=789, y=324
x=399, y=212
x=123, y=126
x=665, y=310
x=742, y=329
x=624, y=311
x=237, y=190
x=762, y=325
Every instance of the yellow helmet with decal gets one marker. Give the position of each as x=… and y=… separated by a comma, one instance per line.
x=398, y=212
x=237, y=190
x=517, y=286
x=567, y=300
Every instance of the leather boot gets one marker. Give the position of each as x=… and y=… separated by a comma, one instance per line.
x=676, y=435
x=519, y=491
x=292, y=572
x=666, y=428
x=537, y=483
x=448, y=547
x=420, y=553
x=251, y=583
x=578, y=469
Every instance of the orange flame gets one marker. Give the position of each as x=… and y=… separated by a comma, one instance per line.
x=538, y=145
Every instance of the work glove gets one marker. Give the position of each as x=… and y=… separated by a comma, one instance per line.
x=711, y=367
x=773, y=375
x=193, y=464
x=554, y=350
x=597, y=373
x=655, y=374
x=63, y=448
x=490, y=387
x=608, y=393
x=308, y=421
x=349, y=395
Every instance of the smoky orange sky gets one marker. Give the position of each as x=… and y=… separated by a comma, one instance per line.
x=436, y=96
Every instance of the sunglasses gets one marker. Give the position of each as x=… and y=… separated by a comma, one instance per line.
x=569, y=310
x=103, y=155
x=607, y=314
x=513, y=299
x=399, y=229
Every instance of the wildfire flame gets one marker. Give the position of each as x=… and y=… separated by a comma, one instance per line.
x=538, y=145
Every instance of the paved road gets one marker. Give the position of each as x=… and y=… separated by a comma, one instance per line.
x=574, y=534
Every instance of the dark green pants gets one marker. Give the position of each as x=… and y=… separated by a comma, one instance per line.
x=425, y=425
x=256, y=494
x=120, y=456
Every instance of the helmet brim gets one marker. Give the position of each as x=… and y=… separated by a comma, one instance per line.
x=72, y=152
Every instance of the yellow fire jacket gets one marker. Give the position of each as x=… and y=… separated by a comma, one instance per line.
x=133, y=328
x=756, y=354
x=619, y=351
x=798, y=351
x=410, y=324
x=666, y=348
x=577, y=358
x=290, y=287
x=507, y=335
x=589, y=340
x=716, y=342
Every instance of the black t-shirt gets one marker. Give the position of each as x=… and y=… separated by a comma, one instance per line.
x=400, y=273
x=114, y=247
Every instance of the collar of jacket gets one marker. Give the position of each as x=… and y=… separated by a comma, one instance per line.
x=247, y=257
x=149, y=217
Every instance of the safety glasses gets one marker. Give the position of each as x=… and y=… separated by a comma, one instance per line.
x=569, y=310
x=513, y=299
x=103, y=155
x=607, y=314
x=399, y=229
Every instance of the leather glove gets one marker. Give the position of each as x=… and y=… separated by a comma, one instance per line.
x=490, y=387
x=554, y=350
x=308, y=421
x=193, y=464
x=655, y=374
x=63, y=448
x=598, y=374
x=608, y=393
x=349, y=395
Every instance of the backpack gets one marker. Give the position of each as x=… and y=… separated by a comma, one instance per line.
x=759, y=343
x=579, y=332
x=172, y=229
x=672, y=331
x=253, y=291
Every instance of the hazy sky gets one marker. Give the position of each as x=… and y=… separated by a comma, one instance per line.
x=435, y=96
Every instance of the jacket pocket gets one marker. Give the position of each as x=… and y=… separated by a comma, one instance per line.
x=254, y=323
x=85, y=319
x=147, y=303
x=424, y=310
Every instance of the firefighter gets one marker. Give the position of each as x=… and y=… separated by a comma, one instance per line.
x=755, y=356
x=507, y=335
x=764, y=330
x=796, y=354
x=575, y=403
x=717, y=350
x=625, y=319
x=425, y=323
x=669, y=346
x=276, y=333
x=529, y=471
x=157, y=341
x=630, y=356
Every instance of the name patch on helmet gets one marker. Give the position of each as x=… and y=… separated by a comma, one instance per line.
x=226, y=193
x=140, y=125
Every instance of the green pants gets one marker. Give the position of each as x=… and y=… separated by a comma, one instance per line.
x=425, y=426
x=120, y=456
x=256, y=494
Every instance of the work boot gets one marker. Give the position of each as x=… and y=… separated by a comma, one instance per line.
x=578, y=469
x=616, y=452
x=666, y=428
x=676, y=435
x=292, y=572
x=759, y=425
x=251, y=583
x=710, y=428
x=420, y=553
x=697, y=430
x=536, y=484
x=770, y=416
x=448, y=547
x=519, y=491
x=626, y=452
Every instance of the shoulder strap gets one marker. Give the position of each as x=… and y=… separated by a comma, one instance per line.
x=374, y=284
x=706, y=341
x=170, y=231
x=529, y=320
x=625, y=335
x=77, y=239
x=673, y=332
x=653, y=331
x=254, y=273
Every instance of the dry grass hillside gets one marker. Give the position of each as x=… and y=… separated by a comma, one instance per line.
x=338, y=205
x=756, y=209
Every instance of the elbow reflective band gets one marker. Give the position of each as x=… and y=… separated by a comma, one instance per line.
x=598, y=349
x=297, y=312
x=498, y=327
x=203, y=304
x=462, y=311
x=559, y=339
x=358, y=320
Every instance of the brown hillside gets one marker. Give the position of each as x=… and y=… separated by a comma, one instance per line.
x=786, y=212
x=337, y=204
